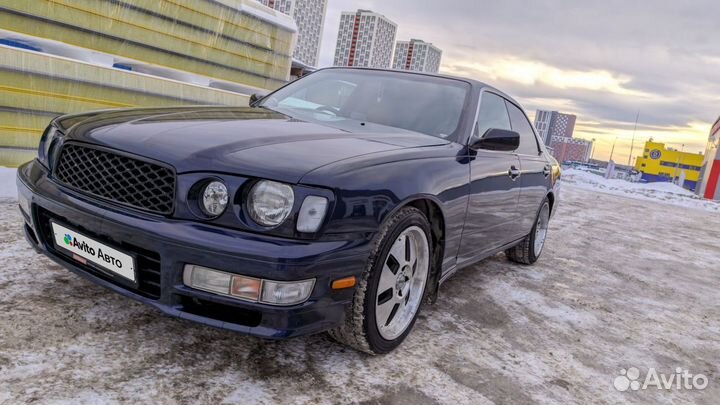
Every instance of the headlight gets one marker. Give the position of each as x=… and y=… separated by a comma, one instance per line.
x=312, y=213
x=269, y=202
x=214, y=199
x=46, y=142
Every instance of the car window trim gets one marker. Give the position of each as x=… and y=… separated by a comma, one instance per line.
x=532, y=127
x=477, y=117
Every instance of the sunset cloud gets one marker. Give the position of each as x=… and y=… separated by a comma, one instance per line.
x=533, y=73
x=603, y=61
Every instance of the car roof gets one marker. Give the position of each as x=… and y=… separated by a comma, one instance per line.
x=472, y=82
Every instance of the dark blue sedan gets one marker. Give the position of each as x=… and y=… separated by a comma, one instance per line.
x=338, y=203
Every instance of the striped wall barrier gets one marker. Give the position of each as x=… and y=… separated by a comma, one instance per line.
x=232, y=40
x=35, y=87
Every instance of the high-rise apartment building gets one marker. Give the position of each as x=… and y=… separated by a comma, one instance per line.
x=417, y=56
x=553, y=123
x=366, y=39
x=309, y=16
x=556, y=131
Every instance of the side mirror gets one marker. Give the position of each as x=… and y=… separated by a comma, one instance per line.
x=255, y=98
x=498, y=139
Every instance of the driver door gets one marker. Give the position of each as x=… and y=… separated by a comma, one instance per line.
x=492, y=214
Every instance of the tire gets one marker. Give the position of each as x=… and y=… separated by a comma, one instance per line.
x=364, y=328
x=527, y=251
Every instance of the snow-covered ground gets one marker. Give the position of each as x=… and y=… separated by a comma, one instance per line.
x=663, y=192
x=7, y=183
x=622, y=283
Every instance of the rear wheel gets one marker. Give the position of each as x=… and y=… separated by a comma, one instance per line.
x=529, y=249
x=390, y=292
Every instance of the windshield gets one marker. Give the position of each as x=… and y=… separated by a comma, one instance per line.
x=372, y=101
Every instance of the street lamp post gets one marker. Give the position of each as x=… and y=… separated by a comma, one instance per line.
x=677, y=164
x=632, y=145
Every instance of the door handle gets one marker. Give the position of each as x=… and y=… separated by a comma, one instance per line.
x=546, y=171
x=514, y=172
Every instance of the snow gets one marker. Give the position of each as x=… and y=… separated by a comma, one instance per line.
x=668, y=193
x=600, y=299
x=7, y=183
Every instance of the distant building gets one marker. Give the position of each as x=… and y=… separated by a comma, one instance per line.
x=417, y=56
x=567, y=149
x=709, y=186
x=309, y=16
x=365, y=39
x=661, y=164
x=556, y=131
x=553, y=123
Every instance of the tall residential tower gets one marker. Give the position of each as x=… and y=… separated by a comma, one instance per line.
x=556, y=131
x=309, y=16
x=365, y=39
x=553, y=123
x=417, y=56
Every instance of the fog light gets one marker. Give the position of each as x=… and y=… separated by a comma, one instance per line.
x=286, y=293
x=206, y=279
x=247, y=288
x=312, y=213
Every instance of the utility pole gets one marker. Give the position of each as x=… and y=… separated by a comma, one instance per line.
x=632, y=145
x=592, y=150
x=677, y=164
x=612, y=151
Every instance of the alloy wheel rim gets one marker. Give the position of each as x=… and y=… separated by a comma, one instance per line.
x=541, y=229
x=402, y=283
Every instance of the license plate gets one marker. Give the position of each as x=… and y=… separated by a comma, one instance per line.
x=94, y=252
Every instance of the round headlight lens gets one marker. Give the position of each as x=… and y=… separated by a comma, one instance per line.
x=270, y=202
x=214, y=199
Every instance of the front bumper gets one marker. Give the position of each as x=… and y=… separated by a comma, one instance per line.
x=163, y=246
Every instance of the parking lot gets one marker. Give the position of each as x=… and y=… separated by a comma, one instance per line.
x=623, y=283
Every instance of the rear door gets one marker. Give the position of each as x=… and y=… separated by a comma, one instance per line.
x=534, y=168
x=492, y=213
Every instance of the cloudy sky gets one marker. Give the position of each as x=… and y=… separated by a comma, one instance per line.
x=602, y=60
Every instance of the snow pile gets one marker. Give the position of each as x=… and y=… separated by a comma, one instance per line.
x=7, y=183
x=663, y=192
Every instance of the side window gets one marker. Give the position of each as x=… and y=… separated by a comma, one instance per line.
x=493, y=114
x=521, y=125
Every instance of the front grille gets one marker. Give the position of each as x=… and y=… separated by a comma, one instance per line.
x=147, y=263
x=117, y=178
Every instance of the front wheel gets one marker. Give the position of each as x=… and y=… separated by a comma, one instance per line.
x=390, y=292
x=529, y=249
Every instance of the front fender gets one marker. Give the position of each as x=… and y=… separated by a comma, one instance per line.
x=366, y=196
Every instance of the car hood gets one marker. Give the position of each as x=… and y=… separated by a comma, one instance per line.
x=246, y=141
